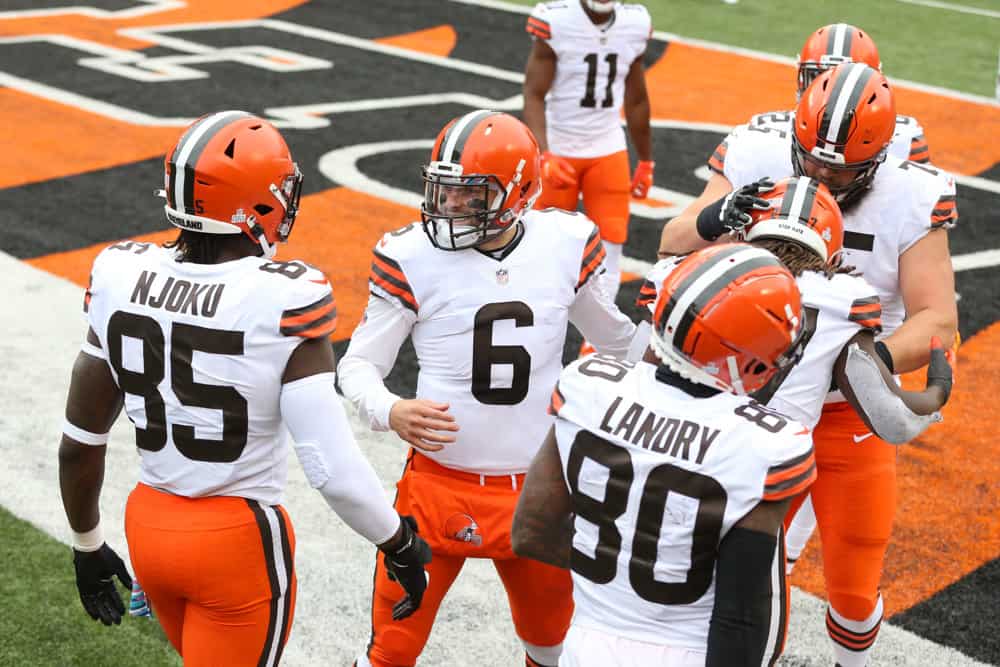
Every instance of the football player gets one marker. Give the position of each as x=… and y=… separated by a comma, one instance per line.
x=212, y=348
x=585, y=65
x=833, y=45
x=484, y=286
x=663, y=485
x=896, y=217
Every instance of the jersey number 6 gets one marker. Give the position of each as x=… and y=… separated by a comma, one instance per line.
x=485, y=354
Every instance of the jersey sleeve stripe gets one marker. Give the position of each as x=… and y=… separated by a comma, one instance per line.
x=320, y=327
x=717, y=162
x=647, y=294
x=558, y=400
x=789, y=473
x=388, y=276
x=539, y=28
x=590, y=269
x=308, y=319
x=293, y=313
x=945, y=213
x=790, y=487
x=791, y=463
x=919, y=150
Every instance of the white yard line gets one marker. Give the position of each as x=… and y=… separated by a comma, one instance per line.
x=952, y=7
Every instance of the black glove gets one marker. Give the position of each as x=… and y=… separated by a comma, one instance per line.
x=404, y=563
x=95, y=572
x=939, y=372
x=732, y=212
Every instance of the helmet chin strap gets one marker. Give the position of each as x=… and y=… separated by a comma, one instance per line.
x=599, y=7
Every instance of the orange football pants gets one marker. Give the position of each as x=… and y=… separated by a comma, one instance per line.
x=854, y=497
x=606, y=186
x=218, y=573
x=463, y=515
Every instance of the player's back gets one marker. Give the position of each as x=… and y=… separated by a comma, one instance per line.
x=489, y=331
x=658, y=477
x=199, y=351
x=583, y=105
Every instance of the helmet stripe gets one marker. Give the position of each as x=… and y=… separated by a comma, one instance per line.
x=798, y=200
x=839, y=41
x=711, y=283
x=189, y=150
x=842, y=102
x=454, y=140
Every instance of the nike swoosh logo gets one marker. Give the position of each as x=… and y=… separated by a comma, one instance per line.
x=859, y=438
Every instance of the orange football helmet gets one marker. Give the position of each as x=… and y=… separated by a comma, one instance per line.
x=729, y=317
x=844, y=123
x=802, y=210
x=833, y=45
x=483, y=175
x=230, y=173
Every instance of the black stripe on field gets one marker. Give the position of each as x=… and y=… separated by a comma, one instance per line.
x=962, y=616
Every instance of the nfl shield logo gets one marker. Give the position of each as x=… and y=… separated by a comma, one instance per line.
x=502, y=276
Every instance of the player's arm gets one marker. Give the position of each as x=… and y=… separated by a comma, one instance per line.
x=594, y=312
x=680, y=235
x=539, y=73
x=893, y=414
x=334, y=465
x=927, y=285
x=370, y=356
x=744, y=594
x=637, y=119
x=543, y=520
x=92, y=406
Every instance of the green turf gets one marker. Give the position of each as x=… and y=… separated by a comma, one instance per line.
x=934, y=46
x=41, y=620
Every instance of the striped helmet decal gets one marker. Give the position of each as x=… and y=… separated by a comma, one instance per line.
x=180, y=168
x=704, y=283
x=842, y=104
x=798, y=200
x=838, y=40
x=453, y=142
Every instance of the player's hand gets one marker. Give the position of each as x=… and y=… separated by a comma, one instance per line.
x=642, y=179
x=557, y=171
x=405, y=557
x=732, y=212
x=422, y=423
x=939, y=371
x=95, y=572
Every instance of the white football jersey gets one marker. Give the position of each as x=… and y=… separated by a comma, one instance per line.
x=906, y=201
x=908, y=142
x=835, y=310
x=658, y=477
x=199, y=351
x=583, y=106
x=489, y=332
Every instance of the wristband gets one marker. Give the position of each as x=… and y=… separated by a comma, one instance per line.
x=90, y=540
x=709, y=222
x=884, y=354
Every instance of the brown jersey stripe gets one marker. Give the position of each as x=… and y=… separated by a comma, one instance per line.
x=865, y=301
x=647, y=294
x=717, y=161
x=309, y=326
x=587, y=271
x=390, y=266
x=791, y=487
x=775, y=478
x=538, y=28
x=311, y=316
x=320, y=304
x=790, y=463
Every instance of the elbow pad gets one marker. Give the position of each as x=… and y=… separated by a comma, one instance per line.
x=748, y=582
x=888, y=415
x=330, y=457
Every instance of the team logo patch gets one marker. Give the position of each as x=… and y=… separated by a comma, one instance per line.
x=502, y=276
x=463, y=528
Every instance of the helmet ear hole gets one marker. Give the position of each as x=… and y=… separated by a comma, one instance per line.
x=263, y=209
x=231, y=149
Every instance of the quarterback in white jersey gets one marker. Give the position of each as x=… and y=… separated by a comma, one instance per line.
x=485, y=287
x=213, y=348
x=652, y=482
x=895, y=216
x=585, y=66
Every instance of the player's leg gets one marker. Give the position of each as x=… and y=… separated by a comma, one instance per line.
x=854, y=499
x=606, y=201
x=799, y=531
x=399, y=643
x=541, y=605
